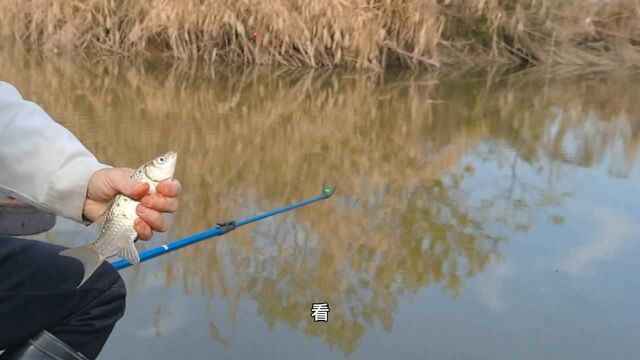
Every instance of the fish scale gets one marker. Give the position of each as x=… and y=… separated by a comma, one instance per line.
x=120, y=216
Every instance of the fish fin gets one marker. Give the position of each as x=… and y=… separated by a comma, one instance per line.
x=88, y=257
x=129, y=252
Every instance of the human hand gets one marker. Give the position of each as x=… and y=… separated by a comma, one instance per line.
x=106, y=183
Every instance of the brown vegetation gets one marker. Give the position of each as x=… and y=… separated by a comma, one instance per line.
x=356, y=33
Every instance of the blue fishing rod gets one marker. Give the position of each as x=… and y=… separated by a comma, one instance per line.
x=219, y=230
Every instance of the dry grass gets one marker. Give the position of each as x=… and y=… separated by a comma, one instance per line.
x=356, y=33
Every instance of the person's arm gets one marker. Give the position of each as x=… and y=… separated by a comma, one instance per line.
x=41, y=162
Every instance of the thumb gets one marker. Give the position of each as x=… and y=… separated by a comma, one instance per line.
x=121, y=181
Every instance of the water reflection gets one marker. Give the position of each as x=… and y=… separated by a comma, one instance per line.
x=613, y=232
x=404, y=148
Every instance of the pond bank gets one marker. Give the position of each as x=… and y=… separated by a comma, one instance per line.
x=308, y=33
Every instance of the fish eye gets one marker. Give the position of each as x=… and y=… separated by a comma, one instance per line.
x=161, y=159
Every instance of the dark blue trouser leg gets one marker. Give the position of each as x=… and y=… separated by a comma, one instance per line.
x=38, y=292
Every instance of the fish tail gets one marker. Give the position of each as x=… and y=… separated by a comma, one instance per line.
x=89, y=258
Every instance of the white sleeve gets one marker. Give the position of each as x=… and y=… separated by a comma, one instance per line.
x=41, y=162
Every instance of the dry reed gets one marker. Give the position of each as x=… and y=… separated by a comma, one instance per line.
x=369, y=34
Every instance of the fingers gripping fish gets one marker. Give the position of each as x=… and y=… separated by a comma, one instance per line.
x=117, y=235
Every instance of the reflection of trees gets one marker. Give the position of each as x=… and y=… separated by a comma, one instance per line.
x=403, y=218
x=581, y=121
x=428, y=237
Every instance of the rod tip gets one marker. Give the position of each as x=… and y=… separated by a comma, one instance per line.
x=328, y=190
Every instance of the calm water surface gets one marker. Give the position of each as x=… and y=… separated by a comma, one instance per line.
x=477, y=217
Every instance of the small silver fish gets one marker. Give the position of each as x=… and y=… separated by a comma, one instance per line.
x=117, y=235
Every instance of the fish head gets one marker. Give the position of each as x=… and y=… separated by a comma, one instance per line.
x=162, y=167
